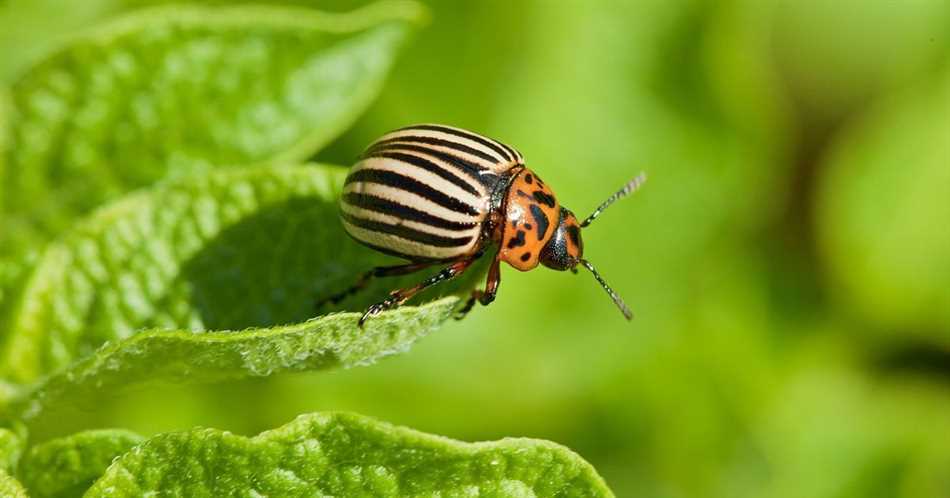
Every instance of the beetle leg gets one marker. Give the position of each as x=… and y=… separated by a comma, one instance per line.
x=399, y=296
x=379, y=271
x=484, y=296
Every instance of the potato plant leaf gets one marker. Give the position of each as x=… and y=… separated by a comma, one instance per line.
x=227, y=250
x=169, y=90
x=332, y=341
x=346, y=455
x=147, y=289
x=68, y=466
x=11, y=447
x=10, y=487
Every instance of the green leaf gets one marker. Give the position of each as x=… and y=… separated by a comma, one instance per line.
x=346, y=455
x=68, y=466
x=882, y=213
x=332, y=341
x=13, y=274
x=228, y=250
x=10, y=487
x=11, y=447
x=167, y=91
x=125, y=268
x=31, y=29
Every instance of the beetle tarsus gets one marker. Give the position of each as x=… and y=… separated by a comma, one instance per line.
x=485, y=297
x=378, y=308
x=464, y=310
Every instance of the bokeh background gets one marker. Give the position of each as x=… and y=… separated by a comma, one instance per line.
x=788, y=260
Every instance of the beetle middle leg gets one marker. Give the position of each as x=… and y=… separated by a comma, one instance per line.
x=365, y=278
x=399, y=296
x=485, y=297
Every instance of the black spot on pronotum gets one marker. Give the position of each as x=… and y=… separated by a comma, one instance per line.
x=575, y=234
x=514, y=224
x=543, y=198
x=527, y=226
x=526, y=256
x=517, y=241
x=528, y=179
x=541, y=219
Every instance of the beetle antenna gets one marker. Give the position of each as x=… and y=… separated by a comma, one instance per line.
x=613, y=295
x=627, y=189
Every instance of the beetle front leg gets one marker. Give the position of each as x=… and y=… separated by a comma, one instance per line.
x=398, y=297
x=485, y=297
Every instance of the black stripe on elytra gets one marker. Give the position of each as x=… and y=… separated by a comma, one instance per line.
x=514, y=154
x=429, y=166
x=487, y=142
x=442, y=143
x=517, y=241
x=541, y=219
x=543, y=198
x=386, y=206
x=392, y=252
x=473, y=170
x=407, y=233
x=402, y=182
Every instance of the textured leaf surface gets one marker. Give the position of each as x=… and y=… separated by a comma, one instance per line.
x=332, y=341
x=346, y=455
x=68, y=466
x=126, y=267
x=883, y=211
x=10, y=487
x=11, y=447
x=171, y=90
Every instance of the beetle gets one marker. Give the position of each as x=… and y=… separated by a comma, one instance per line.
x=440, y=195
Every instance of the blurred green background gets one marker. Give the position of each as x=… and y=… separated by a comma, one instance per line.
x=788, y=261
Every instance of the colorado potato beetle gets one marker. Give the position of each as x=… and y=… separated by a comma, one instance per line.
x=440, y=195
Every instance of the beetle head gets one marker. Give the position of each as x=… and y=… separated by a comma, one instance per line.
x=565, y=248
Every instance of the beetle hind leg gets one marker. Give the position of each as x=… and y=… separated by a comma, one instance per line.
x=399, y=296
x=366, y=277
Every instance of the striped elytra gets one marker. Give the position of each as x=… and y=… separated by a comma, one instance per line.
x=424, y=192
x=440, y=195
